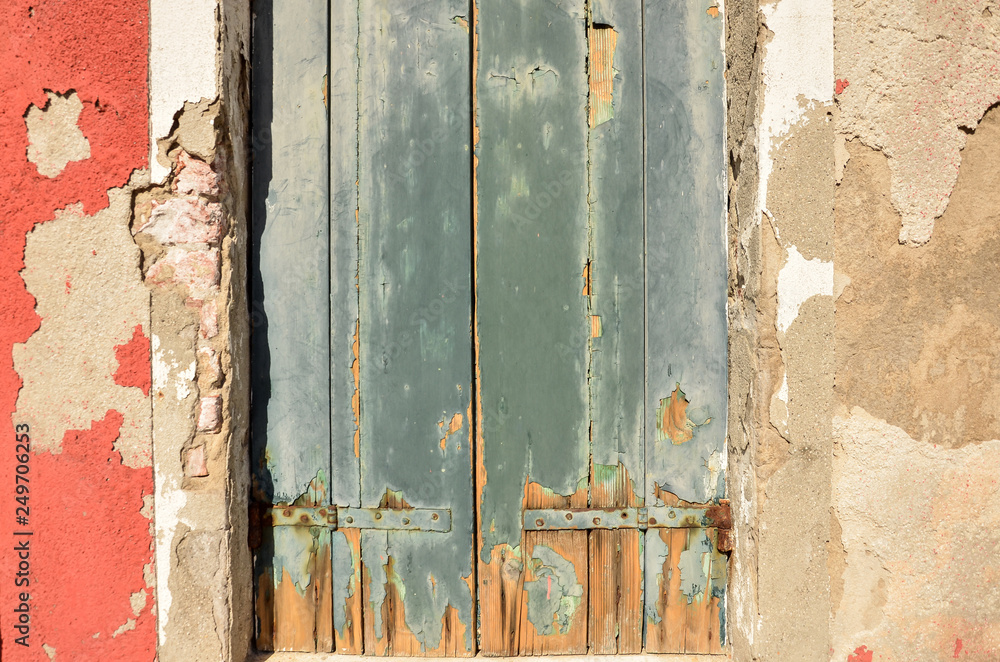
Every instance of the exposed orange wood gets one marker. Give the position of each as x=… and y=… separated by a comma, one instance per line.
x=667, y=636
x=689, y=624
x=572, y=546
x=615, y=605
x=501, y=602
x=351, y=640
x=602, y=42
x=294, y=616
x=397, y=640
x=323, y=583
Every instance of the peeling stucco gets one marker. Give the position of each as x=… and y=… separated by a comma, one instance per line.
x=921, y=74
x=54, y=137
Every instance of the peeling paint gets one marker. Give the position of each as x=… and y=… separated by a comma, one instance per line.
x=672, y=422
x=555, y=594
x=602, y=40
x=453, y=426
x=798, y=281
x=134, y=362
x=55, y=138
x=695, y=566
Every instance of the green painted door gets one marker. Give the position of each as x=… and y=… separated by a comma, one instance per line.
x=488, y=282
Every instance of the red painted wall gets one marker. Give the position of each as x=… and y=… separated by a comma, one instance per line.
x=88, y=541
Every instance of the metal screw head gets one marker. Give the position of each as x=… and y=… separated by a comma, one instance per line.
x=378, y=515
x=304, y=518
x=597, y=521
x=435, y=517
x=652, y=521
x=539, y=522
x=406, y=521
x=569, y=516
x=350, y=520
x=624, y=514
x=671, y=514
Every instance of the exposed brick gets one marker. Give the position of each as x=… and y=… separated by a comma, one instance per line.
x=209, y=368
x=209, y=327
x=210, y=414
x=185, y=221
x=194, y=462
x=198, y=270
x=195, y=176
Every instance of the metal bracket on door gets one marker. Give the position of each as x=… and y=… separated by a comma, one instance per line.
x=659, y=517
x=437, y=520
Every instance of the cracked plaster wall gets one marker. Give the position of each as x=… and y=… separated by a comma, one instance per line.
x=123, y=322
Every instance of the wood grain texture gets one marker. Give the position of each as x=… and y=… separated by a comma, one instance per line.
x=290, y=420
x=415, y=311
x=616, y=299
x=532, y=321
x=690, y=586
x=553, y=617
x=686, y=337
x=686, y=279
x=345, y=475
x=347, y=594
x=616, y=561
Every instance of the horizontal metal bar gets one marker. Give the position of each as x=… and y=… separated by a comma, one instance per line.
x=410, y=519
x=302, y=516
x=340, y=517
x=658, y=517
x=581, y=518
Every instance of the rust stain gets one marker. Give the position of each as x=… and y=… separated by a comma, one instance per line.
x=356, y=398
x=603, y=40
x=326, y=83
x=454, y=426
x=672, y=422
x=586, y=279
x=713, y=12
x=719, y=515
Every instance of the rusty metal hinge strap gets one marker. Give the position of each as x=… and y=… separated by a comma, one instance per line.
x=436, y=520
x=658, y=517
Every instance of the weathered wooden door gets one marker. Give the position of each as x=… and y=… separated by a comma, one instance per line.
x=489, y=331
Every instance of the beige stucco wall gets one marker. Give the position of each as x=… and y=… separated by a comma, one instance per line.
x=864, y=334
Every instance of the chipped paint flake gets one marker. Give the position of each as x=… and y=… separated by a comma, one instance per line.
x=672, y=422
x=54, y=137
x=799, y=280
x=603, y=39
x=695, y=565
x=555, y=593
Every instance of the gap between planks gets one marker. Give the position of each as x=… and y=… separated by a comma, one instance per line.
x=641, y=657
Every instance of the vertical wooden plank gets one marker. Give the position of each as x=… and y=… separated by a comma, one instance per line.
x=290, y=425
x=616, y=589
x=666, y=611
x=686, y=385
x=553, y=615
x=415, y=329
x=616, y=278
x=345, y=480
x=532, y=320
